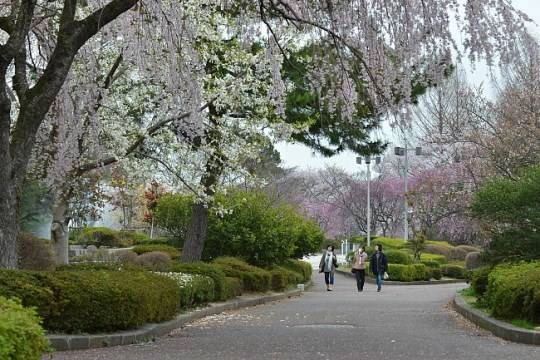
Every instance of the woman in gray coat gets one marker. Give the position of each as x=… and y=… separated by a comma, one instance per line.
x=328, y=266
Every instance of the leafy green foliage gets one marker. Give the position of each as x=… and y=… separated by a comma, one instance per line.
x=513, y=291
x=398, y=257
x=454, y=271
x=21, y=336
x=173, y=213
x=174, y=253
x=206, y=269
x=479, y=280
x=512, y=209
x=254, y=279
x=101, y=236
x=441, y=259
x=233, y=287
x=473, y=260
x=93, y=301
x=417, y=245
x=414, y=272
x=302, y=267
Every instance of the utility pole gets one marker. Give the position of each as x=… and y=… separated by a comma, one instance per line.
x=367, y=160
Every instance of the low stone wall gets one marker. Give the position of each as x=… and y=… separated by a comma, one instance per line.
x=151, y=331
x=498, y=328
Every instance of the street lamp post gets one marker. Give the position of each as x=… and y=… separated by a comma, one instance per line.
x=399, y=151
x=367, y=160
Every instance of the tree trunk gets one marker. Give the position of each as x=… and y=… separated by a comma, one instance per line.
x=60, y=232
x=196, y=234
x=9, y=226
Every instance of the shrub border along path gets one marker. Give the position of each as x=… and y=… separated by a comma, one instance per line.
x=371, y=280
x=497, y=327
x=151, y=331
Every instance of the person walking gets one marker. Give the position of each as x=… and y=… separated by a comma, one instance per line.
x=359, y=267
x=328, y=266
x=379, y=265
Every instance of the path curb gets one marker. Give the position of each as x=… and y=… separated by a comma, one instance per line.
x=497, y=327
x=149, y=332
x=401, y=283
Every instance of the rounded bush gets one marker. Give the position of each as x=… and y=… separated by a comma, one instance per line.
x=125, y=256
x=233, y=287
x=154, y=260
x=173, y=252
x=35, y=253
x=431, y=264
x=454, y=271
x=301, y=267
x=101, y=236
x=206, y=269
x=194, y=289
x=438, y=250
x=253, y=278
x=133, y=237
x=93, y=301
x=458, y=253
x=406, y=273
x=21, y=335
x=398, y=257
x=441, y=259
x=479, y=280
x=473, y=260
x=436, y=273
x=513, y=291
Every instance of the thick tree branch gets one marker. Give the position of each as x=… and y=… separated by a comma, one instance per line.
x=6, y=24
x=171, y=170
x=18, y=32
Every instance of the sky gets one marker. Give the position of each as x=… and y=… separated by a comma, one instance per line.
x=301, y=157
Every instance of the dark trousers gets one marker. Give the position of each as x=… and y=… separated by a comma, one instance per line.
x=329, y=278
x=360, y=278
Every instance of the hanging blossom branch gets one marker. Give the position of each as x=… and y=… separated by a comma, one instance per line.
x=152, y=130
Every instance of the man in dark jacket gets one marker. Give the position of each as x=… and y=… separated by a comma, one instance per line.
x=378, y=265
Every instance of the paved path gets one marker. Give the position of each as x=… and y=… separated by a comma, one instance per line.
x=401, y=322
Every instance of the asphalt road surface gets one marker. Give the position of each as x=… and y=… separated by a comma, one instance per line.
x=401, y=322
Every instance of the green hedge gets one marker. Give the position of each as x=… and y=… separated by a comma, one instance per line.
x=253, y=278
x=93, y=301
x=406, y=273
x=479, y=280
x=283, y=278
x=173, y=252
x=398, y=257
x=454, y=271
x=21, y=336
x=205, y=269
x=436, y=273
x=441, y=259
x=431, y=264
x=302, y=267
x=101, y=236
x=233, y=287
x=194, y=289
x=513, y=291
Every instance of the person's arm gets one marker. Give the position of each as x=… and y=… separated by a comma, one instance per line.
x=385, y=265
x=372, y=264
x=321, y=264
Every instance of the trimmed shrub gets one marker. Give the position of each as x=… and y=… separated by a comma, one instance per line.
x=194, y=289
x=283, y=278
x=299, y=266
x=513, y=292
x=438, y=250
x=154, y=260
x=133, y=237
x=35, y=253
x=101, y=236
x=174, y=253
x=233, y=287
x=431, y=264
x=468, y=248
x=21, y=336
x=436, y=273
x=454, y=271
x=253, y=278
x=93, y=301
x=414, y=272
x=458, y=253
x=473, y=260
x=125, y=256
x=479, y=280
x=441, y=259
x=201, y=268
x=398, y=257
